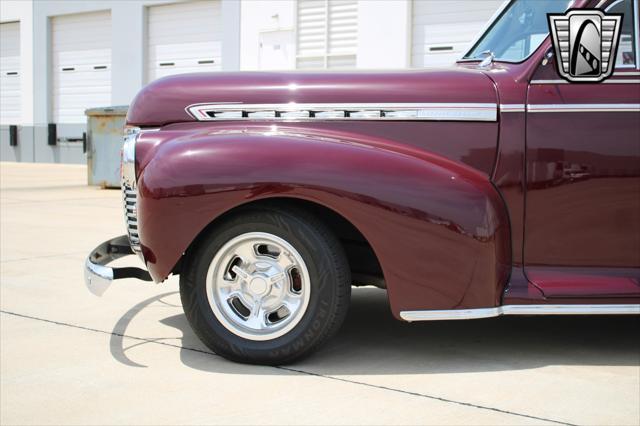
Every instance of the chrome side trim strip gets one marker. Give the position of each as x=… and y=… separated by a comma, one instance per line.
x=451, y=314
x=583, y=108
x=459, y=314
x=344, y=111
x=609, y=81
x=512, y=107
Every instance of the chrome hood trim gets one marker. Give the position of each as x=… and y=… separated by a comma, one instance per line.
x=344, y=111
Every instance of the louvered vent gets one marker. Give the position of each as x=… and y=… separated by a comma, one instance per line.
x=327, y=34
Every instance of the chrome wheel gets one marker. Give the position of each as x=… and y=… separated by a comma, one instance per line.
x=258, y=286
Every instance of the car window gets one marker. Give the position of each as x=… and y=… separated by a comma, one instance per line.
x=627, y=54
x=518, y=31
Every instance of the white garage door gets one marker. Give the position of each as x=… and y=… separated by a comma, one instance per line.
x=10, y=73
x=184, y=37
x=443, y=29
x=81, y=58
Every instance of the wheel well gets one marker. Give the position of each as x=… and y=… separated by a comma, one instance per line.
x=364, y=265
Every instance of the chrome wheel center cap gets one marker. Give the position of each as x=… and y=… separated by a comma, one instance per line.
x=258, y=286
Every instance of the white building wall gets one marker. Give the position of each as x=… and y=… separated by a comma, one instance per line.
x=128, y=37
x=442, y=31
x=128, y=58
x=384, y=31
x=259, y=19
x=231, y=25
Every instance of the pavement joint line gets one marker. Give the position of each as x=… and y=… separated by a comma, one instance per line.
x=295, y=370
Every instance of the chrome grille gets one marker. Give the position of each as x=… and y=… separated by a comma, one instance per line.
x=130, y=197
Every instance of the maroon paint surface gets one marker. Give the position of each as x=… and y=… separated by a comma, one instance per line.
x=163, y=101
x=533, y=208
x=421, y=205
x=583, y=190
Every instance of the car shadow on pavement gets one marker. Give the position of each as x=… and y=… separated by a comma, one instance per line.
x=371, y=341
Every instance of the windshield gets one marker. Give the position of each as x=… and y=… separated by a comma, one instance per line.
x=518, y=31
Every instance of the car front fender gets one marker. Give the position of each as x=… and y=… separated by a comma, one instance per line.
x=439, y=229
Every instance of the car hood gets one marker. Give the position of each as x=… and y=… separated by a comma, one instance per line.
x=164, y=101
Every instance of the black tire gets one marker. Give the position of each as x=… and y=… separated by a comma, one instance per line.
x=330, y=283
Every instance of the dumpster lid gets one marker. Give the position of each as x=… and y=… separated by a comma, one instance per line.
x=108, y=110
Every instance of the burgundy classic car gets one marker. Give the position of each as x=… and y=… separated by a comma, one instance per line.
x=494, y=187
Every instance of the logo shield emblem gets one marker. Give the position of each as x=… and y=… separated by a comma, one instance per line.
x=585, y=43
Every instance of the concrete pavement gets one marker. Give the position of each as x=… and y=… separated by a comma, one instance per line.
x=67, y=357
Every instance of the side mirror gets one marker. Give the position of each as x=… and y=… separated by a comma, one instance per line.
x=547, y=57
x=487, y=60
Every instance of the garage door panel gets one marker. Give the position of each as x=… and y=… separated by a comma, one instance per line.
x=79, y=83
x=68, y=31
x=443, y=30
x=192, y=9
x=9, y=106
x=82, y=58
x=186, y=35
x=71, y=94
x=64, y=38
x=176, y=48
x=10, y=89
x=164, y=72
x=443, y=33
x=182, y=51
x=75, y=102
x=81, y=64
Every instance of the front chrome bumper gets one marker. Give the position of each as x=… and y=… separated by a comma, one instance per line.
x=98, y=276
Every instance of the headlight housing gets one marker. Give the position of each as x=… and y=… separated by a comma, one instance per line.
x=128, y=161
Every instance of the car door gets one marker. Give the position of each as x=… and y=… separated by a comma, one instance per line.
x=582, y=225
